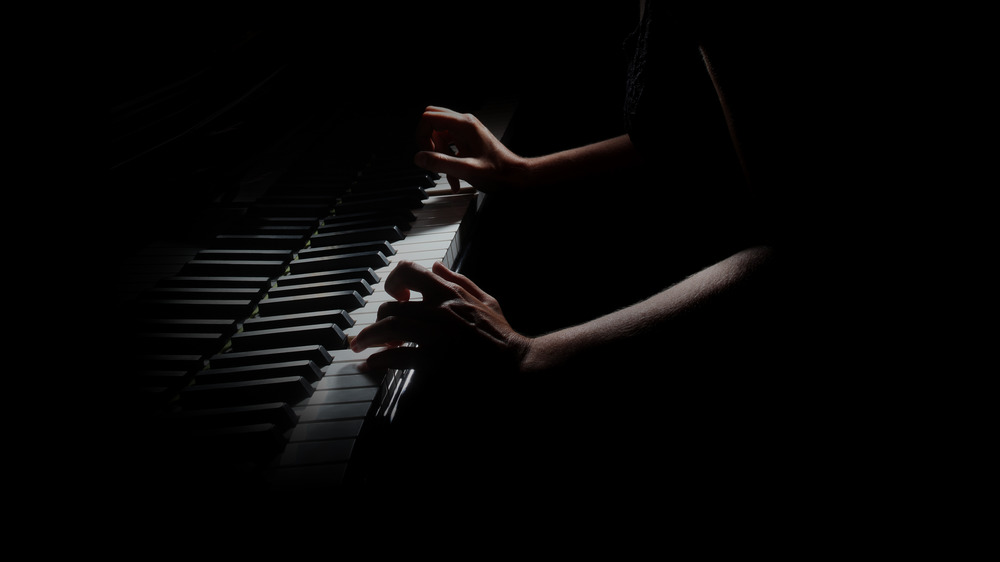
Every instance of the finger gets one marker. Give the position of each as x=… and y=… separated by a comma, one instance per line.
x=456, y=184
x=409, y=276
x=439, y=109
x=444, y=164
x=443, y=120
x=442, y=141
x=412, y=309
x=434, y=119
x=462, y=281
x=391, y=331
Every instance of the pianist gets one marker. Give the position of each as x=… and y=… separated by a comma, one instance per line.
x=678, y=357
x=712, y=302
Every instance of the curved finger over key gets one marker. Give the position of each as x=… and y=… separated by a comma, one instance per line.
x=409, y=276
x=391, y=330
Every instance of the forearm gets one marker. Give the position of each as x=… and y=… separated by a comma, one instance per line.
x=578, y=163
x=715, y=298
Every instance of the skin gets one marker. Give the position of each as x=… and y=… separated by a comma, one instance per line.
x=455, y=319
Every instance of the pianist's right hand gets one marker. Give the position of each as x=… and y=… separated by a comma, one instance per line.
x=461, y=147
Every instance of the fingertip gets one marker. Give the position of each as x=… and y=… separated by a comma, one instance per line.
x=355, y=344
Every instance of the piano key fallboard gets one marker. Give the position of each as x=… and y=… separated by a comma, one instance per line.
x=243, y=353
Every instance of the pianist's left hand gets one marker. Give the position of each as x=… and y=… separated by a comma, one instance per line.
x=455, y=323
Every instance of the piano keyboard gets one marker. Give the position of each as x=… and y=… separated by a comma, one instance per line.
x=244, y=351
x=321, y=444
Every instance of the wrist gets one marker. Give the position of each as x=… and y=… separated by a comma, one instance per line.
x=520, y=172
x=539, y=355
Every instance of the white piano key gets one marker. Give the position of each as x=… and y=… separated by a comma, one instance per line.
x=364, y=319
x=343, y=396
x=347, y=381
x=424, y=238
x=424, y=246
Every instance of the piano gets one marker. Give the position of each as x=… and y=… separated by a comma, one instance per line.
x=265, y=203
x=239, y=374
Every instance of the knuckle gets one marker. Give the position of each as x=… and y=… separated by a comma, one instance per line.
x=469, y=119
x=455, y=291
x=384, y=310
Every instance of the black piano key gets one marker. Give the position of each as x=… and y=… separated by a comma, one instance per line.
x=389, y=233
x=346, y=300
x=359, y=206
x=368, y=192
x=215, y=281
x=180, y=342
x=277, y=413
x=375, y=221
x=339, y=317
x=251, y=224
x=244, y=254
x=360, y=285
x=305, y=210
x=269, y=241
x=330, y=336
x=366, y=274
x=172, y=380
x=259, y=391
x=374, y=260
x=211, y=293
x=196, y=308
x=302, y=231
x=224, y=326
x=315, y=353
x=235, y=268
x=343, y=220
x=301, y=368
x=376, y=246
x=171, y=362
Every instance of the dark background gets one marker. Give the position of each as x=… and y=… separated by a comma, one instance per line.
x=178, y=146
x=196, y=99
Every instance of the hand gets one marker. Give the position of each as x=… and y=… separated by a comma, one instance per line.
x=463, y=148
x=456, y=323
